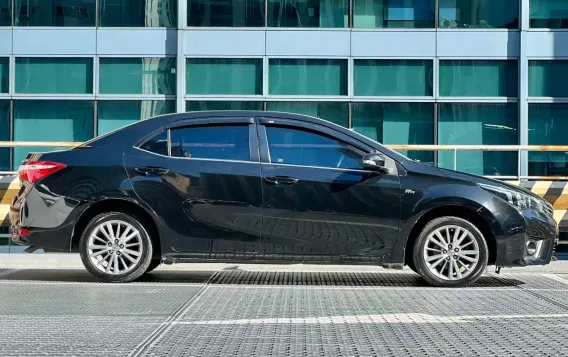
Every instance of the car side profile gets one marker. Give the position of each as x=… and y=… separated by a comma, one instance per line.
x=268, y=187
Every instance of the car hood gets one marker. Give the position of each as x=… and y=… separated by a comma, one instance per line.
x=484, y=180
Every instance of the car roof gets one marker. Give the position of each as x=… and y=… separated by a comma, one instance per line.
x=143, y=128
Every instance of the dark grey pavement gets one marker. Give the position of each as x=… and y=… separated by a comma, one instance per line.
x=61, y=312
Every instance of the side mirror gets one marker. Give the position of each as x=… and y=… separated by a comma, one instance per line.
x=373, y=162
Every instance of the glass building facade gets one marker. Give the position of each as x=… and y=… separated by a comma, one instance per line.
x=399, y=71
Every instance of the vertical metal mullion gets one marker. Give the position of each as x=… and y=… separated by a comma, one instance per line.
x=350, y=14
x=95, y=118
x=436, y=132
x=436, y=14
x=11, y=125
x=265, y=13
x=350, y=115
x=97, y=2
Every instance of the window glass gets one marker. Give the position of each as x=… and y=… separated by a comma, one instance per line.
x=479, y=124
x=115, y=114
x=224, y=76
x=54, y=75
x=397, y=123
x=307, y=77
x=548, y=78
x=393, y=13
x=308, y=13
x=4, y=134
x=225, y=13
x=478, y=78
x=51, y=120
x=158, y=144
x=479, y=14
x=551, y=14
x=221, y=142
x=335, y=112
x=5, y=13
x=4, y=74
x=299, y=147
x=138, y=13
x=548, y=125
x=393, y=77
x=148, y=75
x=196, y=106
x=69, y=13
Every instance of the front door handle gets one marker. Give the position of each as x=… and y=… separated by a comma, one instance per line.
x=147, y=170
x=280, y=180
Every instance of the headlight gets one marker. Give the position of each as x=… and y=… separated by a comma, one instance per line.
x=517, y=199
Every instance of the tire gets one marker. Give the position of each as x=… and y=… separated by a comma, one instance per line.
x=410, y=265
x=129, y=255
x=153, y=265
x=436, y=259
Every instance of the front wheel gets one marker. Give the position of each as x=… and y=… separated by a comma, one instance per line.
x=115, y=247
x=450, y=252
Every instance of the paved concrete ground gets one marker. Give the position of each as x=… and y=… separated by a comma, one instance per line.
x=300, y=312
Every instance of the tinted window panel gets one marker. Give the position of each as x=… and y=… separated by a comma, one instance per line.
x=223, y=142
x=5, y=13
x=54, y=75
x=224, y=76
x=307, y=77
x=4, y=134
x=548, y=78
x=298, y=147
x=4, y=74
x=148, y=75
x=138, y=13
x=548, y=125
x=225, y=13
x=551, y=14
x=308, y=13
x=393, y=77
x=195, y=106
x=114, y=114
x=479, y=14
x=158, y=144
x=393, y=13
x=69, y=13
x=478, y=78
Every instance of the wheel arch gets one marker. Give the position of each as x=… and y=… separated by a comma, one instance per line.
x=147, y=219
x=459, y=211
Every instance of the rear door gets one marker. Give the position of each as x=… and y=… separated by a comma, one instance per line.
x=202, y=178
x=318, y=201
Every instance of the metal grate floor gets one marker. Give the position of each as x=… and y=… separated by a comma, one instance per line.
x=241, y=313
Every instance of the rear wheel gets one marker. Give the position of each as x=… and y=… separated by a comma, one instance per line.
x=115, y=247
x=450, y=251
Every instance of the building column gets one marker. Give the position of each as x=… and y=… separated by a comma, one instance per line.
x=180, y=68
x=523, y=85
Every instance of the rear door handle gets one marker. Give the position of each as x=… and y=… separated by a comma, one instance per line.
x=146, y=170
x=280, y=180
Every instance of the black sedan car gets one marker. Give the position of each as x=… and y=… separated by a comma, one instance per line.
x=265, y=187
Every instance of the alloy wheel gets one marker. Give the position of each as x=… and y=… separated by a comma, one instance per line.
x=451, y=252
x=115, y=247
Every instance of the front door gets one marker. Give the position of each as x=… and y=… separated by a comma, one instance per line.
x=318, y=201
x=202, y=178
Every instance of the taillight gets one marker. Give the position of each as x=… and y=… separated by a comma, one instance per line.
x=36, y=170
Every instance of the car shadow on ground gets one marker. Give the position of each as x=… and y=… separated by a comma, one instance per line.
x=257, y=278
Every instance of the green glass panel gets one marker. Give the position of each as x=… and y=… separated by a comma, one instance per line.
x=68, y=13
x=54, y=75
x=393, y=14
x=138, y=13
x=548, y=78
x=397, y=123
x=116, y=114
x=308, y=13
x=307, y=77
x=479, y=78
x=51, y=120
x=5, y=13
x=196, y=106
x=393, y=77
x=551, y=14
x=548, y=125
x=148, y=75
x=335, y=112
x=479, y=14
x=4, y=74
x=4, y=134
x=224, y=76
x=479, y=124
x=228, y=13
